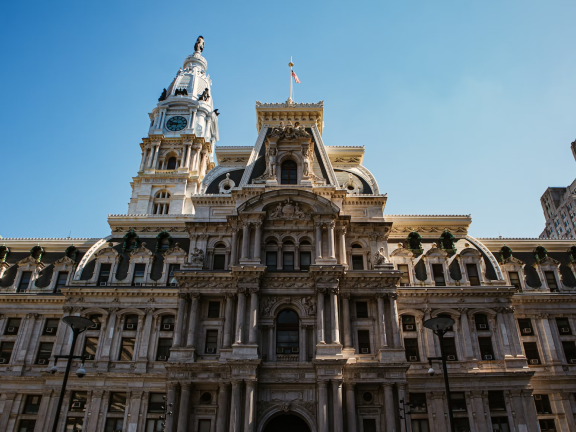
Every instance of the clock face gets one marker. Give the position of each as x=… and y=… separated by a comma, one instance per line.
x=176, y=123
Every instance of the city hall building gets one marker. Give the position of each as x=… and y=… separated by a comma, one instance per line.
x=264, y=288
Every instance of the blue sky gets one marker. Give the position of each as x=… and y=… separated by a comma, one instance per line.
x=464, y=107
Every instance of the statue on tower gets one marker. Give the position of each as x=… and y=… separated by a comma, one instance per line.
x=199, y=45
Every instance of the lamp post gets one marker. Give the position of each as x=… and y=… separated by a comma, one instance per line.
x=78, y=325
x=439, y=326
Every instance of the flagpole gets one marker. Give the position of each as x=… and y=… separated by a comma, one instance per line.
x=291, y=64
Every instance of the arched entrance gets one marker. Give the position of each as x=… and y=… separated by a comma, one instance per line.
x=286, y=423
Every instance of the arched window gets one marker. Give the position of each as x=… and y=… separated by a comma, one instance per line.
x=161, y=202
x=289, y=172
x=357, y=257
x=219, y=257
x=287, y=340
x=131, y=322
x=171, y=163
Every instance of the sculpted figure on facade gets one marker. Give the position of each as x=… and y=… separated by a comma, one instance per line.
x=288, y=210
x=379, y=257
x=197, y=257
x=199, y=45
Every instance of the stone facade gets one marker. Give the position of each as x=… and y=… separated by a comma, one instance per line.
x=262, y=288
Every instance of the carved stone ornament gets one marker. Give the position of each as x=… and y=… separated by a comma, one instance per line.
x=197, y=257
x=289, y=132
x=309, y=304
x=379, y=257
x=288, y=210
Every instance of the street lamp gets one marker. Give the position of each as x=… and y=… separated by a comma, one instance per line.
x=440, y=326
x=78, y=325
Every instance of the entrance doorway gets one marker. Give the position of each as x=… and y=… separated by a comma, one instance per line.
x=286, y=423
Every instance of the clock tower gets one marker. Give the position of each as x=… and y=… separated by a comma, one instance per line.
x=178, y=151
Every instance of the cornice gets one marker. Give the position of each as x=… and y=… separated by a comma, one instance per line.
x=88, y=291
x=23, y=299
x=484, y=291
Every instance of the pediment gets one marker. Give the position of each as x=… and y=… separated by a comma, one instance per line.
x=142, y=250
x=175, y=251
x=402, y=252
x=308, y=202
x=512, y=260
x=436, y=252
x=470, y=252
x=30, y=261
x=107, y=251
x=64, y=261
x=547, y=261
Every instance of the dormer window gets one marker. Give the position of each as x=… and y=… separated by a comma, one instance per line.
x=289, y=173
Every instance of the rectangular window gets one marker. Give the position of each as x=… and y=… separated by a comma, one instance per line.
x=171, y=278
x=369, y=425
x=486, y=350
x=364, y=341
x=6, y=349
x=26, y=425
x=532, y=354
x=481, y=321
x=213, y=309
x=515, y=280
x=219, y=262
x=361, y=309
x=203, y=425
x=438, y=274
x=12, y=326
x=547, y=425
x=51, y=326
x=78, y=401
x=163, y=352
x=154, y=425
x=156, y=403
x=114, y=425
x=551, y=281
x=408, y=323
x=525, y=325
x=458, y=401
x=32, y=404
x=127, y=349
x=272, y=261
x=569, y=351
x=357, y=262
x=563, y=326
x=61, y=282
x=211, y=341
x=420, y=425
x=24, y=281
x=131, y=323
x=496, y=400
x=288, y=261
x=104, y=274
x=418, y=403
x=117, y=402
x=74, y=424
x=450, y=349
x=500, y=424
x=44, y=353
x=411, y=348
x=90, y=346
x=542, y=402
x=139, y=271
x=461, y=424
x=305, y=261
x=472, y=270
x=405, y=279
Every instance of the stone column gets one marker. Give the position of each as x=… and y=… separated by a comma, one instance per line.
x=346, y=319
x=466, y=335
x=320, y=316
x=21, y=345
x=233, y=247
x=500, y=322
x=195, y=153
x=143, y=160
x=223, y=396
x=184, y=411
x=187, y=163
x=134, y=410
x=240, y=316
x=8, y=404
x=250, y=407
x=108, y=335
x=43, y=409
x=479, y=409
x=252, y=335
x=95, y=404
x=343, y=248
x=302, y=356
x=297, y=257
x=156, y=151
x=337, y=405
x=351, y=407
x=271, y=347
x=257, y=239
x=182, y=300
x=318, y=240
x=394, y=319
x=322, y=407
x=513, y=332
x=334, y=315
x=228, y=320
x=563, y=405
x=382, y=321
x=389, y=407
x=331, y=250
x=146, y=334
x=546, y=337
x=192, y=320
x=245, y=241
x=170, y=407
x=235, y=408
x=530, y=410
x=403, y=405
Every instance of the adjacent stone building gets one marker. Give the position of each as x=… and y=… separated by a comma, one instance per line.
x=263, y=288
